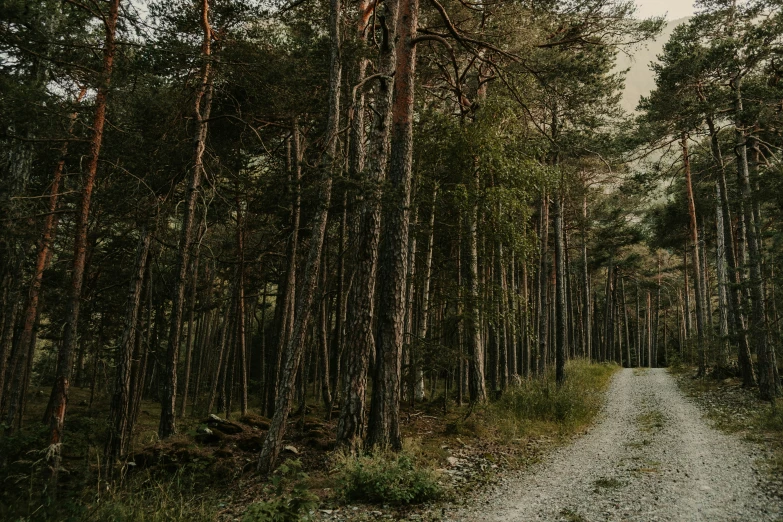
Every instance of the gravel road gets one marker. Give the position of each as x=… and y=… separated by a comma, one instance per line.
x=650, y=456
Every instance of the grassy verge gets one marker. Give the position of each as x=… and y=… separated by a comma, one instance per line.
x=449, y=451
x=736, y=410
x=448, y=455
x=542, y=408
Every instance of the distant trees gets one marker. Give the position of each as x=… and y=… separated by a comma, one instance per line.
x=700, y=84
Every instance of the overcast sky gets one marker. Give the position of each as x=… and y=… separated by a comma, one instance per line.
x=673, y=9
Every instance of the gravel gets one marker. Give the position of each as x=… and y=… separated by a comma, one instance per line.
x=650, y=456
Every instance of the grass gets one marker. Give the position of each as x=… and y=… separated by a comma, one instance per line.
x=541, y=407
x=152, y=498
x=608, y=483
x=651, y=421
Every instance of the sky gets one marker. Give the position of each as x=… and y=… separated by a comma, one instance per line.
x=673, y=9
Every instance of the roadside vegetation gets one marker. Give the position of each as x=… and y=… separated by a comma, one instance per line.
x=199, y=478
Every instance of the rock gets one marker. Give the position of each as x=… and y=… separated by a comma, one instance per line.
x=205, y=435
x=453, y=461
x=291, y=449
x=223, y=425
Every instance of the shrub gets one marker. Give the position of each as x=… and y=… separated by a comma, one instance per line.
x=387, y=478
x=291, y=500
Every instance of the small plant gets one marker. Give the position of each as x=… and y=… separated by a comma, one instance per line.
x=572, y=516
x=607, y=483
x=291, y=500
x=650, y=421
x=387, y=478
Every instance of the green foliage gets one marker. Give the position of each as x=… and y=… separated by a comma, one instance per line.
x=290, y=501
x=151, y=498
x=771, y=419
x=538, y=404
x=387, y=478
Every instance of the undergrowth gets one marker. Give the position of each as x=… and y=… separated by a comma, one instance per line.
x=539, y=407
x=290, y=498
x=153, y=498
x=385, y=477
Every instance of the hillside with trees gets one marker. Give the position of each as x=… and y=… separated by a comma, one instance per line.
x=242, y=223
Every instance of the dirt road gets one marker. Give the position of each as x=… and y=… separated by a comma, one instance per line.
x=651, y=456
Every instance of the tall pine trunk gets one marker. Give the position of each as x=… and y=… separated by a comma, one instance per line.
x=201, y=111
x=295, y=346
x=360, y=338
x=59, y=396
x=26, y=343
x=768, y=378
x=384, y=428
x=120, y=428
x=696, y=261
x=560, y=293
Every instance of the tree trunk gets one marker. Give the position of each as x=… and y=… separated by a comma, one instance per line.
x=769, y=380
x=697, y=276
x=59, y=396
x=201, y=111
x=189, y=341
x=384, y=429
x=26, y=342
x=293, y=352
x=543, y=304
x=425, y=296
x=560, y=291
x=360, y=339
x=120, y=427
x=477, y=388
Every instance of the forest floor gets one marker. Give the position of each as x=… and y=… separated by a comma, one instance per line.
x=207, y=471
x=651, y=456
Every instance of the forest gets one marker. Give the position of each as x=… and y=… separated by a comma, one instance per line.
x=273, y=209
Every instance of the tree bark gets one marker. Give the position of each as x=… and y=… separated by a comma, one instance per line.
x=768, y=378
x=543, y=271
x=59, y=396
x=477, y=388
x=560, y=291
x=120, y=428
x=697, y=277
x=425, y=296
x=360, y=339
x=384, y=429
x=26, y=342
x=201, y=111
x=241, y=337
x=189, y=341
x=293, y=352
